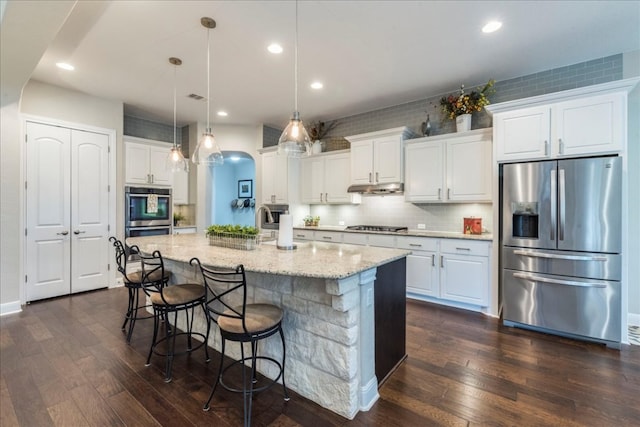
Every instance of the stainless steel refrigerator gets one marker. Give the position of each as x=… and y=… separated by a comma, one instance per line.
x=561, y=247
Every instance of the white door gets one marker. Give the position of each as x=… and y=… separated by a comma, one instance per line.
x=90, y=210
x=158, y=166
x=425, y=172
x=387, y=161
x=48, y=196
x=137, y=163
x=67, y=211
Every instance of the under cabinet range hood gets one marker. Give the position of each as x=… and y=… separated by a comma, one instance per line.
x=390, y=188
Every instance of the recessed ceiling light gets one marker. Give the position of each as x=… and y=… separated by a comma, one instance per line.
x=222, y=113
x=65, y=66
x=492, y=26
x=275, y=48
x=317, y=85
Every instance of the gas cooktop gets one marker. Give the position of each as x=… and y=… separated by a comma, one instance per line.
x=388, y=228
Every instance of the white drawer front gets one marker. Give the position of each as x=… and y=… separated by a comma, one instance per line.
x=465, y=247
x=328, y=236
x=354, y=238
x=382, y=240
x=417, y=243
x=303, y=234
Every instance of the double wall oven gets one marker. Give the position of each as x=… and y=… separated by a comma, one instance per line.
x=148, y=211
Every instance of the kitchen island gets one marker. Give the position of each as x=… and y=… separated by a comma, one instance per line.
x=338, y=346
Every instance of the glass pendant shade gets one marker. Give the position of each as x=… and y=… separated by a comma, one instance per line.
x=207, y=151
x=176, y=161
x=294, y=141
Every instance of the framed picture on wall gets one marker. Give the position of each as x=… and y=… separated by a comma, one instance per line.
x=245, y=189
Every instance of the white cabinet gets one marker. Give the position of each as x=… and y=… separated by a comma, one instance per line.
x=325, y=178
x=180, y=188
x=328, y=236
x=464, y=271
x=579, y=126
x=423, y=272
x=449, y=168
x=279, y=178
x=146, y=162
x=378, y=157
x=448, y=269
x=303, y=234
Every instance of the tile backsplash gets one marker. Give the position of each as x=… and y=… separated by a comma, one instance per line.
x=393, y=210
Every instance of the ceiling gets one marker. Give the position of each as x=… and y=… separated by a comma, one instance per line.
x=368, y=54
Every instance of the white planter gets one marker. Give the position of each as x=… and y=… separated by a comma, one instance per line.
x=463, y=123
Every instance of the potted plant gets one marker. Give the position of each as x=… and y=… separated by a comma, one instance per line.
x=233, y=236
x=461, y=106
x=177, y=217
x=311, y=221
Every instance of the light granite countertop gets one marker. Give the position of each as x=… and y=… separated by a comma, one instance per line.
x=310, y=259
x=410, y=232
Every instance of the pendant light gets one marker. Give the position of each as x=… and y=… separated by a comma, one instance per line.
x=207, y=151
x=294, y=141
x=175, y=160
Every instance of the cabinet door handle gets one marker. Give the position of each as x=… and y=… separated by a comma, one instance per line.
x=441, y=261
x=326, y=197
x=439, y=193
x=327, y=237
x=416, y=245
x=433, y=260
x=560, y=146
x=377, y=178
x=463, y=249
x=546, y=148
x=63, y=233
x=300, y=235
x=320, y=197
x=448, y=194
x=370, y=177
x=78, y=232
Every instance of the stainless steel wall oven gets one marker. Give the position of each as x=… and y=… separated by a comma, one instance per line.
x=148, y=211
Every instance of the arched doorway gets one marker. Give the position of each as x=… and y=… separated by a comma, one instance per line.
x=233, y=190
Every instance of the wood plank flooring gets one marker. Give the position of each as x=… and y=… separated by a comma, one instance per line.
x=65, y=362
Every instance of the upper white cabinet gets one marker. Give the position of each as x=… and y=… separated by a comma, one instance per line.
x=146, y=162
x=578, y=122
x=180, y=188
x=378, y=157
x=325, y=178
x=279, y=178
x=449, y=168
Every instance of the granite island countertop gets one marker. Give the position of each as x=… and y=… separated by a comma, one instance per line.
x=410, y=232
x=310, y=259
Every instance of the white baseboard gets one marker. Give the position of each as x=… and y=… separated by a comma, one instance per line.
x=10, y=308
x=633, y=319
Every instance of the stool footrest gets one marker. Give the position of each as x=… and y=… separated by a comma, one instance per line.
x=255, y=390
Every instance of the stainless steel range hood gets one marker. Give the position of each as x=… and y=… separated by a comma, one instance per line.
x=390, y=188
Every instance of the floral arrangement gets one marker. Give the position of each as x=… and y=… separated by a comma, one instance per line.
x=319, y=130
x=463, y=103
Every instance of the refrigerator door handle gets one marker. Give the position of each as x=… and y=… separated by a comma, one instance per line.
x=559, y=282
x=553, y=205
x=561, y=207
x=535, y=254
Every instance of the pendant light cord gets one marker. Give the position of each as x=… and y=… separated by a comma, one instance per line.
x=295, y=78
x=175, y=139
x=208, y=77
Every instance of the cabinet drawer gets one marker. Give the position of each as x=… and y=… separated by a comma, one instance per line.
x=417, y=243
x=328, y=236
x=303, y=234
x=354, y=238
x=464, y=247
x=382, y=240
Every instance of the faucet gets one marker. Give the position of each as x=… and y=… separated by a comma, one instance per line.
x=258, y=219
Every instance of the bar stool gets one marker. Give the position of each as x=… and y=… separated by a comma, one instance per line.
x=135, y=283
x=242, y=323
x=167, y=303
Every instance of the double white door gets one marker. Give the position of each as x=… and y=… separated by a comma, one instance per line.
x=67, y=211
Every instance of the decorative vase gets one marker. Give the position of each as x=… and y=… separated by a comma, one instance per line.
x=463, y=123
x=316, y=147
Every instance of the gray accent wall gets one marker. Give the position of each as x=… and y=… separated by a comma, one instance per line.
x=142, y=128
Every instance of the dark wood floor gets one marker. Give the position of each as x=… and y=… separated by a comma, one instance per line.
x=65, y=362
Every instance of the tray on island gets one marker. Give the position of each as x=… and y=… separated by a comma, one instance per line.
x=245, y=242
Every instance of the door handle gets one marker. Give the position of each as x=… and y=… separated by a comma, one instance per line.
x=441, y=261
x=63, y=233
x=535, y=254
x=370, y=175
x=535, y=278
x=320, y=197
x=560, y=146
x=439, y=193
x=415, y=245
x=78, y=232
x=553, y=205
x=377, y=178
x=326, y=197
x=546, y=148
x=561, y=205
x=448, y=194
x=433, y=260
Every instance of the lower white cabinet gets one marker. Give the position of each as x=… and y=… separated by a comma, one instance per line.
x=448, y=269
x=328, y=236
x=303, y=234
